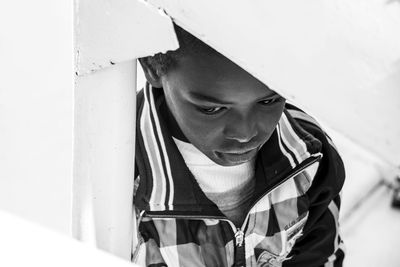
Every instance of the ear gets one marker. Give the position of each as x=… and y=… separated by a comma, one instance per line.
x=151, y=74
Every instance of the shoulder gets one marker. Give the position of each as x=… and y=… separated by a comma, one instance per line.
x=309, y=124
x=331, y=172
x=302, y=117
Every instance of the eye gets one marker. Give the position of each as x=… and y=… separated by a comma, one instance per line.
x=267, y=101
x=211, y=111
x=270, y=101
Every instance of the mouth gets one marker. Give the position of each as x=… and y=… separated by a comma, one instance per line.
x=235, y=157
x=240, y=152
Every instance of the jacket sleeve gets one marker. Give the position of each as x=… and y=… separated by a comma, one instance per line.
x=321, y=244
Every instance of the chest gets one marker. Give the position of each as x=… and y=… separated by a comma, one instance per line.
x=267, y=235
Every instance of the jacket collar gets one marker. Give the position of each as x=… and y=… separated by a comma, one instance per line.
x=166, y=184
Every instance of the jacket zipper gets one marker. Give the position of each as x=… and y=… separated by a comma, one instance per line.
x=239, y=233
x=240, y=250
x=316, y=158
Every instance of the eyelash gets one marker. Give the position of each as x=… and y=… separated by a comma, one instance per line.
x=211, y=111
x=216, y=110
x=271, y=101
x=267, y=102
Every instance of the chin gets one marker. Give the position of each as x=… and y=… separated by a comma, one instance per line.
x=214, y=158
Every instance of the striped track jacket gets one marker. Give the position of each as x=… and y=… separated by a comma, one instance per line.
x=293, y=219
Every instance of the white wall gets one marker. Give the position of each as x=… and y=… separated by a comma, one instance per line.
x=45, y=248
x=338, y=59
x=109, y=36
x=36, y=110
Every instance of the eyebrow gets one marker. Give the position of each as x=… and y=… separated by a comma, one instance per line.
x=207, y=98
x=212, y=99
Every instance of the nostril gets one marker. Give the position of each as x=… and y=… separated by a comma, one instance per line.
x=241, y=137
x=241, y=128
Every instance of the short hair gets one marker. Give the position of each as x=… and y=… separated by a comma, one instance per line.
x=188, y=43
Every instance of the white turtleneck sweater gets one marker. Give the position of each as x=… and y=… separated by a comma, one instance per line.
x=230, y=188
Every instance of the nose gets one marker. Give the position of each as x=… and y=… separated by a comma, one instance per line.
x=241, y=128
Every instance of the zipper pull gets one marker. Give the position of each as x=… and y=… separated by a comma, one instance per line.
x=239, y=236
x=240, y=257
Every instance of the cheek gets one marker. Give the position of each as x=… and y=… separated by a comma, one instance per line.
x=200, y=131
x=276, y=115
x=279, y=111
x=269, y=122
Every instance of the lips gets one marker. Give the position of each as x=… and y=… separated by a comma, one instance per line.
x=235, y=157
x=239, y=152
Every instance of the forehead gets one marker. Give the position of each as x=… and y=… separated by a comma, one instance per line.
x=212, y=74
